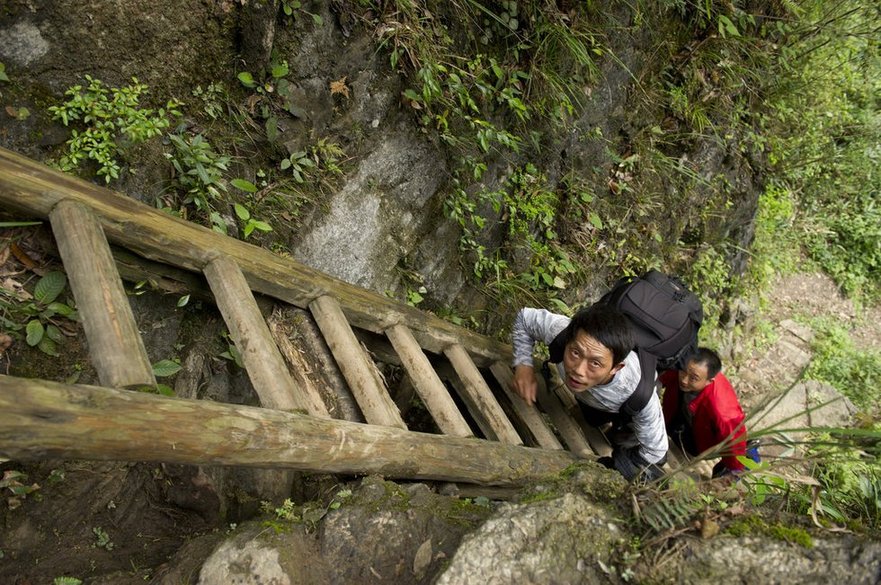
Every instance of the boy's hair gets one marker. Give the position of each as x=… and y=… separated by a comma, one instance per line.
x=607, y=325
x=707, y=357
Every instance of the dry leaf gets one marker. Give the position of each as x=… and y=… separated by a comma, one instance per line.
x=339, y=87
x=423, y=558
x=5, y=342
x=22, y=256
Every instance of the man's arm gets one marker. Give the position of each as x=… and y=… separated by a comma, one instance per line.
x=531, y=325
x=648, y=426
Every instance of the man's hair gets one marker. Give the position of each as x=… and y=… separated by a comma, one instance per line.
x=607, y=325
x=705, y=356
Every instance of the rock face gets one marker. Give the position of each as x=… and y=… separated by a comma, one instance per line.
x=384, y=534
x=564, y=540
x=753, y=560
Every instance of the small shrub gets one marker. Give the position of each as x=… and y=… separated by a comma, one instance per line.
x=109, y=119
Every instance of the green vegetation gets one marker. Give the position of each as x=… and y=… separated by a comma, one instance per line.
x=109, y=119
x=855, y=372
x=102, y=539
x=41, y=316
x=754, y=524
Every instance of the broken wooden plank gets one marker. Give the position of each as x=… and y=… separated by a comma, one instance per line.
x=297, y=367
x=46, y=420
x=261, y=357
x=596, y=439
x=357, y=367
x=428, y=385
x=115, y=344
x=34, y=189
x=480, y=399
x=527, y=413
x=569, y=429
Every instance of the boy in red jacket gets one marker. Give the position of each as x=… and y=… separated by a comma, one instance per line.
x=701, y=411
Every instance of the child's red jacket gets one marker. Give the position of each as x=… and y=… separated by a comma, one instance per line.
x=716, y=415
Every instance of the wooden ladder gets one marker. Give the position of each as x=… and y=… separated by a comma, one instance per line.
x=86, y=218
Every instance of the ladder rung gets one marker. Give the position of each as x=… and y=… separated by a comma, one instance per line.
x=263, y=361
x=115, y=344
x=428, y=385
x=357, y=367
x=568, y=428
x=595, y=437
x=528, y=413
x=480, y=399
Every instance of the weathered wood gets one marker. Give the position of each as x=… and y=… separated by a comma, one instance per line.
x=261, y=357
x=34, y=189
x=357, y=368
x=527, y=413
x=596, y=439
x=569, y=430
x=297, y=367
x=431, y=390
x=47, y=420
x=115, y=344
x=480, y=399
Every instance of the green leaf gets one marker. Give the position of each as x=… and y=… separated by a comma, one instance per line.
x=316, y=18
x=182, y=302
x=595, y=221
x=63, y=310
x=165, y=368
x=11, y=224
x=54, y=333
x=48, y=346
x=247, y=79
x=262, y=226
x=271, y=128
x=412, y=95
x=279, y=70
x=50, y=286
x=242, y=212
x=3, y=76
x=285, y=164
x=244, y=185
x=34, y=332
x=726, y=26
x=164, y=389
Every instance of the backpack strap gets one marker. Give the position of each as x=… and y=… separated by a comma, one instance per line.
x=646, y=386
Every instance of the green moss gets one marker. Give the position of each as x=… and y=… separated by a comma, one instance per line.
x=756, y=525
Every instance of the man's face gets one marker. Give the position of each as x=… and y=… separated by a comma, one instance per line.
x=694, y=377
x=587, y=363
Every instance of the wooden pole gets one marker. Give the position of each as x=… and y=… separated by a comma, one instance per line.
x=266, y=368
x=41, y=419
x=357, y=367
x=34, y=189
x=428, y=385
x=480, y=399
x=115, y=344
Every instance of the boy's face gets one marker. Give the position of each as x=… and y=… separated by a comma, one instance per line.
x=694, y=377
x=587, y=363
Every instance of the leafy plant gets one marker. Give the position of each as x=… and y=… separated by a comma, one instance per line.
x=102, y=539
x=855, y=372
x=289, y=6
x=66, y=581
x=43, y=317
x=109, y=119
x=199, y=173
x=15, y=482
x=213, y=98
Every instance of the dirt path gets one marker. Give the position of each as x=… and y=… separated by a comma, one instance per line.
x=797, y=301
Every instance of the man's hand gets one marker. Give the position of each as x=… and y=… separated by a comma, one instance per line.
x=525, y=384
